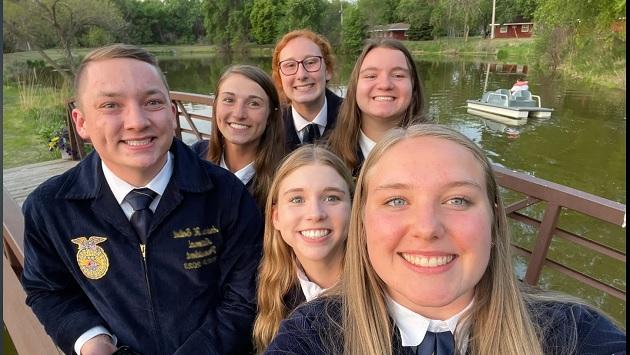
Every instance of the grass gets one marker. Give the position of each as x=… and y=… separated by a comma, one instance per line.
x=503, y=49
x=26, y=119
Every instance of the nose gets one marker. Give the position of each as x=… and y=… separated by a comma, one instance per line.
x=301, y=71
x=426, y=223
x=239, y=110
x=136, y=117
x=385, y=82
x=316, y=211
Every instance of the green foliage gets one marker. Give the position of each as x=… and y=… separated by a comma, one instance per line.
x=502, y=54
x=353, y=30
x=162, y=21
x=263, y=21
x=302, y=14
x=96, y=37
x=378, y=12
x=227, y=22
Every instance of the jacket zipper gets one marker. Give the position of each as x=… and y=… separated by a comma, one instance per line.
x=143, y=251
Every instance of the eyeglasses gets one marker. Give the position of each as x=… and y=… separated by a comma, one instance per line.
x=310, y=64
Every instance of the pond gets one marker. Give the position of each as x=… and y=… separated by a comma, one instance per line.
x=582, y=145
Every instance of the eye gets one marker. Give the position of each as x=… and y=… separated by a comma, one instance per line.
x=154, y=102
x=400, y=75
x=227, y=100
x=369, y=76
x=332, y=198
x=109, y=105
x=254, y=104
x=296, y=199
x=458, y=201
x=289, y=65
x=396, y=202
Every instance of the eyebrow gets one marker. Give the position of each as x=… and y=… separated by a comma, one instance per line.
x=377, y=69
x=304, y=57
x=327, y=189
x=403, y=186
x=119, y=94
x=248, y=97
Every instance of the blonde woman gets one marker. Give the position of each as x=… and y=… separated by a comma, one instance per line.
x=307, y=214
x=428, y=267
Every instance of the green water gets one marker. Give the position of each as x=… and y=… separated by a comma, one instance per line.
x=583, y=145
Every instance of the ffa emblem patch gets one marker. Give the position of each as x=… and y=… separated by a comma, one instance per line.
x=91, y=258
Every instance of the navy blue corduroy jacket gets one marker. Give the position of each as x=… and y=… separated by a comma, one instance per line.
x=192, y=293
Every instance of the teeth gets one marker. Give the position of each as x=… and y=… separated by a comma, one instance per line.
x=431, y=261
x=137, y=143
x=238, y=126
x=315, y=233
x=304, y=87
x=383, y=98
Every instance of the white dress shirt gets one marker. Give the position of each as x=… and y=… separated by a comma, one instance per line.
x=413, y=327
x=245, y=174
x=120, y=188
x=310, y=289
x=300, y=122
x=365, y=143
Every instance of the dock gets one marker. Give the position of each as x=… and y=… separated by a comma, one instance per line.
x=22, y=180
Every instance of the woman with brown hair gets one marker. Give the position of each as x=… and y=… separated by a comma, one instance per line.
x=384, y=91
x=306, y=224
x=428, y=268
x=246, y=126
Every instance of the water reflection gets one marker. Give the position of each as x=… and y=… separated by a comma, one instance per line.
x=583, y=145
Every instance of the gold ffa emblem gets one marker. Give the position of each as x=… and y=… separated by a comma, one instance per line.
x=91, y=258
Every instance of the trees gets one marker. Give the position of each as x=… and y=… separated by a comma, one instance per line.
x=263, y=21
x=227, y=22
x=47, y=23
x=302, y=14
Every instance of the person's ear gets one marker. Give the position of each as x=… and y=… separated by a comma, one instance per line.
x=80, y=123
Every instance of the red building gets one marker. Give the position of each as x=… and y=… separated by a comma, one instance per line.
x=513, y=30
x=393, y=30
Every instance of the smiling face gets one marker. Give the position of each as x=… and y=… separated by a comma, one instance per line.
x=428, y=224
x=384, y=88
x=305, y=90
x=312, y=214
x=125, y=111
x=242, y=111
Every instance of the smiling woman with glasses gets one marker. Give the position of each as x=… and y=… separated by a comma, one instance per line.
x=302, y=65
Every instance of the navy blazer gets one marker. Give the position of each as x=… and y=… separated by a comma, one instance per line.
x=293, y=140
x=310, y=330
x=191, y=290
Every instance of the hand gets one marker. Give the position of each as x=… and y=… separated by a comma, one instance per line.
x=99, y=345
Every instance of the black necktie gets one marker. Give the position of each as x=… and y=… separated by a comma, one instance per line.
x=442, y=343
x=140, y=199
x=311, y=134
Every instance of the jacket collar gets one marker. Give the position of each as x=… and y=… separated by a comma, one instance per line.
x=86, y=180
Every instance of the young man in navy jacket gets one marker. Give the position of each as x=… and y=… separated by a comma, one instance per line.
x=176, y=276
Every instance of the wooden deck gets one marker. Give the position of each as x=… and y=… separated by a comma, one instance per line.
x=20, y=181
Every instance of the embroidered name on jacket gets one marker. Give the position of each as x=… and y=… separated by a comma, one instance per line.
x=91, y=258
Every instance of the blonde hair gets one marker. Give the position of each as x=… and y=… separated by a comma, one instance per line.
x=113, y=51
x=276, y=273
x=319, y=40
x=498, y=322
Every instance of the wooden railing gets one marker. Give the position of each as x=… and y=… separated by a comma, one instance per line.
x=29, y=336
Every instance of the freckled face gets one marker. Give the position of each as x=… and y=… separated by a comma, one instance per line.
x=124, y=110
x=242, y=111
x=312, y=213
x=304, y=88
x=384, y=87
x=428, y=225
